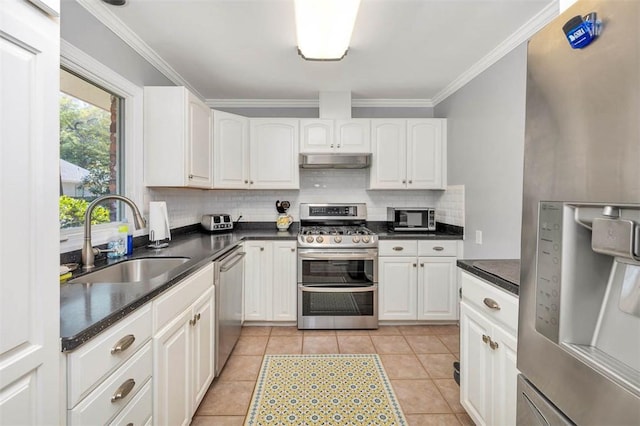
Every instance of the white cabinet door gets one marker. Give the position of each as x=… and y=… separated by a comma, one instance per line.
x=475, y=364
x=426, y=154
x=257, y=281
x=274, y=154
x=397, y=286
x=203, y=346
x=505, y=375
x=172, y=403
x=284, y=281
x=199, y=143
x=437, y=289
x=29, y=227
x=353, y=135
x=389, y=154
x=316, y=135
x=230, y=150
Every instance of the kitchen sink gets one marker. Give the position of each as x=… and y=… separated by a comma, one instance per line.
x=134, y=270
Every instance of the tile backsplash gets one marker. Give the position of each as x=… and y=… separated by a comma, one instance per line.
x=186, y=206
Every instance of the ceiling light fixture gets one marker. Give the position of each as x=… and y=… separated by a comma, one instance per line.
x=324, y=28
x=115, y=2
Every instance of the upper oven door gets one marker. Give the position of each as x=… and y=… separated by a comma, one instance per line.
x=338, y=268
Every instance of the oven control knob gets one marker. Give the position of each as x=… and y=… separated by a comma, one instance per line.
x=319, y=239
x=356, y=239
x=366, y=239
x=337, y=239
x=309, y=239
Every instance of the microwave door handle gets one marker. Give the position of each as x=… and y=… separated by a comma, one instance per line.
x=336, y=289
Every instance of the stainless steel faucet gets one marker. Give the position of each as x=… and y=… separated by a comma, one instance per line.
x=88, y=251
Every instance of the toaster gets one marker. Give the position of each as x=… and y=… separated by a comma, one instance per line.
x=217, y=222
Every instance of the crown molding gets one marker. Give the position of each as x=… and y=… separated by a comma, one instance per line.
x=314, y=103
x=102, y=12
x=522, y=34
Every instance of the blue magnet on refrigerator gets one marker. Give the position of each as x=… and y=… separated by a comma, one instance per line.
x=582, y=30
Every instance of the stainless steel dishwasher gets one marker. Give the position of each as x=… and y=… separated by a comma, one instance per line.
x=229, y=275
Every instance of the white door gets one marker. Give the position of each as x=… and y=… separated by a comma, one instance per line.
x=284, y=281
x=199, y=143
x=475, y=364
x=230, y=150
x=172, y=372
x=203, y=346
x=389, y=154
x=316, y=136
x=353, y=135
x=397, y=287
x=29, y=227
x=425, y=159
x=505, y=373
x=274, y=154
x=437, y=288
x=257, y=281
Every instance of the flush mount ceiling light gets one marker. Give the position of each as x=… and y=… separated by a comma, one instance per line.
x=324, y=28
x=115, y=2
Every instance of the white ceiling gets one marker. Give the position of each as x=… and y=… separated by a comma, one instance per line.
x=418, y=50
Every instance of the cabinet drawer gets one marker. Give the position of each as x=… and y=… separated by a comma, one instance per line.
x=398, y=248
x=437, y=248
x=103, y=354
x=139, y=410
x=175, y=301
x=99, y=406
x=482, y=294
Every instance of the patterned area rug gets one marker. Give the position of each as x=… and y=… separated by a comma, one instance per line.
x=323, y=390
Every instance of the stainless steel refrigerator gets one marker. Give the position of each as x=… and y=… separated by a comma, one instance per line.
x=579, y=321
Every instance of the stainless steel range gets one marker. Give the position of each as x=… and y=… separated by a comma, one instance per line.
x=337, y=268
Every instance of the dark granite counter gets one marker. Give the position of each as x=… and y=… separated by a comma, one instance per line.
x=503, y=273
x=88, y=309
x=442, y=232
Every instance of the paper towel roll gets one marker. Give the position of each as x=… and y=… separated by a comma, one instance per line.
x=158, y=221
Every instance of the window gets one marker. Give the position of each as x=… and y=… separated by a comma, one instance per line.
x=91, y=150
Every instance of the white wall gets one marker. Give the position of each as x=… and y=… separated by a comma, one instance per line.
x=485, y=153
x=186, y=206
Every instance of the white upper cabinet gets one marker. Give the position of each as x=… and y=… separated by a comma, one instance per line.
x=177, y=138
x=408, y=154
x=273, y=147
x=230, y=150
x=348, y=136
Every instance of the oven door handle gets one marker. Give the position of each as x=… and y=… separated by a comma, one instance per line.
x=337, y=289
x=337, y=256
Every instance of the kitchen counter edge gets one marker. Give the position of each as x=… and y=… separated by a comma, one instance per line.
x=493, y=278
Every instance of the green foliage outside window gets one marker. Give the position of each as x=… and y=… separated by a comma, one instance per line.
x=72, y=212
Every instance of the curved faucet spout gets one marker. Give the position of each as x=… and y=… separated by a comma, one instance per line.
x=88, y=252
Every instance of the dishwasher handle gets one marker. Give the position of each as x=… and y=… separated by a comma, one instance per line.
x=232, y=262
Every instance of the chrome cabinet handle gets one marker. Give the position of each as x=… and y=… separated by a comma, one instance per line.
x=190, y=176
x=493, y=345
x=331, y=145
x=485, y=338
x=422, y=265
x=415, y=266
x=410, y=181
x=261, y=248
x=123, y=344
x=123, y=390
x=198, y=317
x=246, y=181
x=192, y=321
x=251, y=182
x=404, y=181
x=438, y=248
x=293, y=249
x=232, y=262
x=491, y=304
x=398, y=248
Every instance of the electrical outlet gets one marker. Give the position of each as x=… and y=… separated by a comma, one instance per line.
x=478, y=237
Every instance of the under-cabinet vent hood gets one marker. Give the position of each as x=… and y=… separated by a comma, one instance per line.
x=335, y=161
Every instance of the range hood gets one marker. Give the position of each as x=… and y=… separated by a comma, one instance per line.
x=335, y=161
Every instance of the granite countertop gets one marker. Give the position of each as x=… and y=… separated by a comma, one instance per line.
x=503, y=273
x=88, y=309
x=443, y=232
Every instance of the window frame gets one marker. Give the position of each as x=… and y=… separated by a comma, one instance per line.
x=78, y=62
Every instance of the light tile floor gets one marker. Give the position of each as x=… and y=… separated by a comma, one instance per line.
x=418, y=360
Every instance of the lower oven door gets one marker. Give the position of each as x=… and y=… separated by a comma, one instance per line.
x=322, y=306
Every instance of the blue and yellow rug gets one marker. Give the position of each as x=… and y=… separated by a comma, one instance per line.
x=323, y=390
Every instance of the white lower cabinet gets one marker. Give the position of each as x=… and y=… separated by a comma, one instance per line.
x=270, y=281
x=183, y=349
x=488, y=346
x=417, y=280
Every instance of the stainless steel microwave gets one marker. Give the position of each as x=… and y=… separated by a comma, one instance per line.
x=416, y=219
